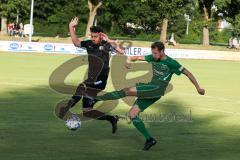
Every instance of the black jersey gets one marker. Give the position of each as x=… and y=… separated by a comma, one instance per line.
x=98, y=59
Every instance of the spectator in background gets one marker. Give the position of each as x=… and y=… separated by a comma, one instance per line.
x=172, y=41
x=16, y=28
x=21, y=29
x=233, y=43
x=10, y=29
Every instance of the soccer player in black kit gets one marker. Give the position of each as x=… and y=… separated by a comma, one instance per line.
x=98, y=48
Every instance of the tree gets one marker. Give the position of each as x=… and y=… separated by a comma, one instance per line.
x=205, y=7
x=53, y=16
x=93, y=5
x=113, y=15
x=161, y=12
x=230, y=9
x=11, y=8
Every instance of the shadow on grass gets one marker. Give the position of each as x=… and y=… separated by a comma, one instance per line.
x=30, y=130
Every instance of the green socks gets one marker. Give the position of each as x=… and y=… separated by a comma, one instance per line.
x=112, y=95
x=137, y=122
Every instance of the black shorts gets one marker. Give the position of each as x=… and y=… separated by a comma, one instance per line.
x=99, y=85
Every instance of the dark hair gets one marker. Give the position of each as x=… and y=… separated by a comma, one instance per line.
x=96, y=29
x=159, y=45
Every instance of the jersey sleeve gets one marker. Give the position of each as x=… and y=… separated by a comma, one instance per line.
x=177, y=68
x=108, y=47
x=148, y=58
x=84, y=44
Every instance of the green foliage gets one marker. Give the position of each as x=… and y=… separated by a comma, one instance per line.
x=57, y=14
x=10, y=8
x=148, y=36
x=51, y=17
x=145, y=13
x=230, y=9
x=95, y=2
x=194, y=35
x=220, y=37
x=207, y=4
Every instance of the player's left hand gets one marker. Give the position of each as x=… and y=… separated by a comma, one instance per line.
x=201, y=91
x=74, y=22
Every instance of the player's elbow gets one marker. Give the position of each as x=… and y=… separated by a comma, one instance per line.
x=187, y=73
x=76, y=43
x=120, y=51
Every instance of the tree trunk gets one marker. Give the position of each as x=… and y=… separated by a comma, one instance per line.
x=205, y=36
x=3, y=26
x=112, y=26
x=92, y=14
x=163, y=36
x=205, y=40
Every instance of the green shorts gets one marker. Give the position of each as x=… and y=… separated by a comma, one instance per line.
x=145, y=103
x=149, y=93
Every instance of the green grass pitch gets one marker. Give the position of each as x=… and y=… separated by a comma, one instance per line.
x=29, y=130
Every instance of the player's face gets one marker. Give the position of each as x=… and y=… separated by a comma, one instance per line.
x=156, y=54
x=96, y=38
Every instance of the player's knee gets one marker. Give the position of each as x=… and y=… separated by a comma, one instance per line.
x=80, y=89
x=132, y=115
x=134, y=112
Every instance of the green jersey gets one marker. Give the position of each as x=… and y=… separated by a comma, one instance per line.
x=164, y=69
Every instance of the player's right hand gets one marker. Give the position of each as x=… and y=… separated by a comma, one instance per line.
x=74, y=22
x=201, y=91
x=104, y=36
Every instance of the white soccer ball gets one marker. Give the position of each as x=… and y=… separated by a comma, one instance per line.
x=73, y=123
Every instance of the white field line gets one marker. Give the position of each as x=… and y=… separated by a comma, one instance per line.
x=207, y=96
x=14, y=84
x=20, y=84
x=197, y=106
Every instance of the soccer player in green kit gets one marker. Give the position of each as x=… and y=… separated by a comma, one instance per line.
x=148, y=93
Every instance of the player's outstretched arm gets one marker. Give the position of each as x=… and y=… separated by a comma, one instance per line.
x=120, y=50
x=114, y=43
x=200, y=90
x=72, y=26
x=133, y=59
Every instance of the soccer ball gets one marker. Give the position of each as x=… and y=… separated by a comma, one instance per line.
x=73, y=123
